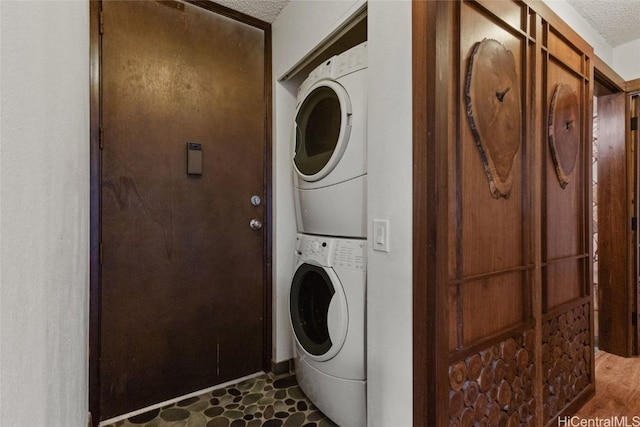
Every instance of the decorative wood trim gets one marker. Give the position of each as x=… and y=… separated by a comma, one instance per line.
x=446, y=124
x=431, y=21
x=577, y=257
x=492, y=340
x=633, y=86
x=538, y=182
x=606, y=76
x=423, y=44
x=633, y=141
x=568, y=33
x=432, y=137
x=565, y=307
x=631, y=154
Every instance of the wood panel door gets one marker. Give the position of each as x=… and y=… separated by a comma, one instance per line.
x=183, y=274
x=615, y=299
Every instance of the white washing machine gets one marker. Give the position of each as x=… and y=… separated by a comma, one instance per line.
x=327, y=307
x=329, y=149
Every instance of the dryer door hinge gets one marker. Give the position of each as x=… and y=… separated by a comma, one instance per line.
x=634, y=318
x=634, y=223
x=634, y=123
x=101, y=26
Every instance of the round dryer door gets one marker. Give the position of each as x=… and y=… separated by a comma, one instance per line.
x=318, y=311
x=322, y=129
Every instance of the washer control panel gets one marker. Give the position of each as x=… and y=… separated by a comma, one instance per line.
x=349, y=254
x=331, y=252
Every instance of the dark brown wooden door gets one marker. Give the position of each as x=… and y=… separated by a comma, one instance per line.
x=183, y=285
x=614, y=229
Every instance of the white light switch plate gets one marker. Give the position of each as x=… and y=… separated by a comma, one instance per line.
x=381, y=235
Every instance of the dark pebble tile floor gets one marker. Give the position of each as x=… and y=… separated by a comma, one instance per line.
x=264, y=401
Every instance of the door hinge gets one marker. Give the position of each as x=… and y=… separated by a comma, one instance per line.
x=100, y=252
x=101, y=137
x=634, y=223
x=101, y=25
x=634, y=123
x=634, y=318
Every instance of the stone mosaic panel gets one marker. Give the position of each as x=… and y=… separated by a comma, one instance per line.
x=264, y=401
x=566, y=359
x=496, y=386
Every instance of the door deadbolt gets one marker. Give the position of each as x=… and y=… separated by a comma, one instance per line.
x=255, y=200
x=255, y=224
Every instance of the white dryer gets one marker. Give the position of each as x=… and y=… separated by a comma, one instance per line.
x=329, y=149
x=327, y=307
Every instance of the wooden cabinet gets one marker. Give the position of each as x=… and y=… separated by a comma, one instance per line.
x=502, y=279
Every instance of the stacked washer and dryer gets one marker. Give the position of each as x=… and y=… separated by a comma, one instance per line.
x=328, y=291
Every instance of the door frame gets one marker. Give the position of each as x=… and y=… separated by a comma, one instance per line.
x=432, y=136
x=632, y=108
x=95, y=122
x=610, y=82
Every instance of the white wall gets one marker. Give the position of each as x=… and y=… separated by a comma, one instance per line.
x=390, y=160
x=44, y=210
x=299, y=29
x=626, y=59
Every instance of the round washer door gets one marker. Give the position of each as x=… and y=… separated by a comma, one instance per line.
x=322, y=129
x=318, y=310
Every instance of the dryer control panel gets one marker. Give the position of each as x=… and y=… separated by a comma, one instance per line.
x=332, y=252
x=337, y=66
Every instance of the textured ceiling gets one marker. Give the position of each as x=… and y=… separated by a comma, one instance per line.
x=265, y=10
x=617, y=21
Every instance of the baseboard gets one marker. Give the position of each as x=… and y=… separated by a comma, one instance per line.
x=278, y=368
x=175, y=400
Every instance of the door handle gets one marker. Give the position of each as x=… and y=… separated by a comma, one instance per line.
x=255, y=224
